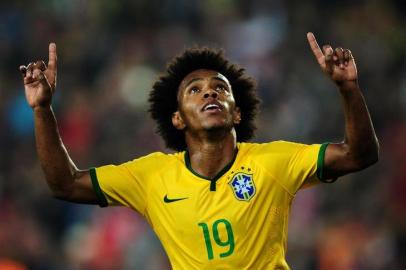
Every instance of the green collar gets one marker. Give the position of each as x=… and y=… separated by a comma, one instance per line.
x=217, y=176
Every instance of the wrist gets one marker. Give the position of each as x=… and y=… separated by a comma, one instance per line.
x=42, y=108
x=347, y=86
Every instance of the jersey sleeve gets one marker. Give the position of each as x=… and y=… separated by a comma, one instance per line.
x=126, y=184
x=293, y=165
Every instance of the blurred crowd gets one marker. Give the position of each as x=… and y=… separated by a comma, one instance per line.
x=110, y=53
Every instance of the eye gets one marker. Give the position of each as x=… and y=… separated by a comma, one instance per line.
x=221, y=87
x=194, y=89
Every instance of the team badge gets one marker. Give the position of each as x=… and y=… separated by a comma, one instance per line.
x=243, y=186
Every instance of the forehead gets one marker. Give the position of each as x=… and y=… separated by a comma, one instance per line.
x=202, y=74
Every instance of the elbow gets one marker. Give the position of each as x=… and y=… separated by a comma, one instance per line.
x=375, y=154
x=368, y=160
x=368, y=157
x=60, y=192
x=61, y=185
x=60, y=195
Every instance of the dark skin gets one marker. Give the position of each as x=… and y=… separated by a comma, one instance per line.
x=209, y=131
x=210, y=134
x=64, y=179
x=360, y=147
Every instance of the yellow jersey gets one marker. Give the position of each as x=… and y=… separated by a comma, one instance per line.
x=237, y=220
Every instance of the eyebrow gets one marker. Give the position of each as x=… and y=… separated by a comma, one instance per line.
x=199, y=79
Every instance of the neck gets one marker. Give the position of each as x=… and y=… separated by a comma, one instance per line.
x=210, y=154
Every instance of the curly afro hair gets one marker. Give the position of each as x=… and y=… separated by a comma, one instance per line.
x=163, y=97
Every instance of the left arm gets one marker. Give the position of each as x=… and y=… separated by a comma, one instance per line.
x=360, y=147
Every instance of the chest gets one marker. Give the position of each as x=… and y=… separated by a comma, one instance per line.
x=181, y=200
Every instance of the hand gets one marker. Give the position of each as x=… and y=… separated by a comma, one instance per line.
x=40, y=80
x=339, y=64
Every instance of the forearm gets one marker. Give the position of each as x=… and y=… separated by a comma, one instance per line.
x=59, y=169
x=360, y=147
x=360, y=141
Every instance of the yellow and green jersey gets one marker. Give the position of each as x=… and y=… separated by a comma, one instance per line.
x=237, y=220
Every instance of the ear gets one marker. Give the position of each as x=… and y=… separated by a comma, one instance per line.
x=177, y=121
x=237, y=115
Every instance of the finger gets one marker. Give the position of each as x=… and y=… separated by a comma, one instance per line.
x=346, y=56
x=52, y=58
x=43, y=80
x=29, y=69
x=315, y=48
x=328, y=53
x=35, y=72
x=41, y=65
x=23, y=70
x=350, y=56
x=34, y=68
x=38, y=75
x=340, y=57
x=28, y=80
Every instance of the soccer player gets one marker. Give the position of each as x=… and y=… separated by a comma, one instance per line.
x=219, y=202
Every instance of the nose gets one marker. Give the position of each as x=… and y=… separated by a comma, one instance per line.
x=210, y=93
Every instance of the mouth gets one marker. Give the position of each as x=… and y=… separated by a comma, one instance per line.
x=212, y=107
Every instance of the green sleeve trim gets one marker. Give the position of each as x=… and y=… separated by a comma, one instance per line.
x=320, y=161
x=99, y=193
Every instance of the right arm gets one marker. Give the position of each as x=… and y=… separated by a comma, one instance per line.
x=64, y=179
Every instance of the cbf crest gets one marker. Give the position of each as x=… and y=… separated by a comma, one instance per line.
x=243, y=186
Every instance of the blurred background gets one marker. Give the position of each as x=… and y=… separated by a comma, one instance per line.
x=110, y=53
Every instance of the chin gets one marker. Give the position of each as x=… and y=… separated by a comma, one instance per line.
x=218, y=126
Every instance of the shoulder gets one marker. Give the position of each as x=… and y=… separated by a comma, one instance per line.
x=270, y=148
x=155, y=160
x=157, y=157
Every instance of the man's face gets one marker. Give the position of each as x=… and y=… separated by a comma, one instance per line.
x=206, y=102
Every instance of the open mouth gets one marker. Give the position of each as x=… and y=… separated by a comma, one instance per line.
x=212, y=106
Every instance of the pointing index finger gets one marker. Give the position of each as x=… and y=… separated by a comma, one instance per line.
x=52, y=59
x=315, y=48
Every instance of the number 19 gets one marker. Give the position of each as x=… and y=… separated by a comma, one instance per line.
x=228, y=242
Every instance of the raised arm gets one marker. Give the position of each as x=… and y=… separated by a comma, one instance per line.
x=64, y=179
x=360, y=147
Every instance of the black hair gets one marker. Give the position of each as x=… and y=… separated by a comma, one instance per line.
x=163, y=97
